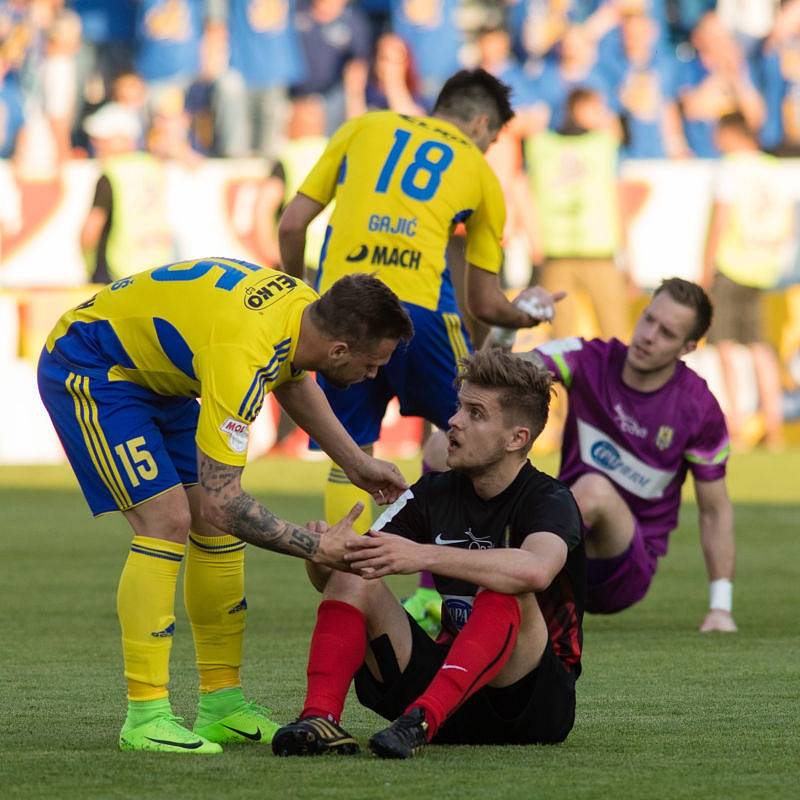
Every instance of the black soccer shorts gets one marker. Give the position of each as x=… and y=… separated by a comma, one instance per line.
x=537, y=709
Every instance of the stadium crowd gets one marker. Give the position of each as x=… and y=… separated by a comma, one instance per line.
x=669, y=68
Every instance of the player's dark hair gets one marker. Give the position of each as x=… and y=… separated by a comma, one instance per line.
x=472, y=92
x=690, y=294
x=361, y=310
x=525, y=387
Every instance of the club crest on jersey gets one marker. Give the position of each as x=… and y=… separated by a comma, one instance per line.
x=664, y=437
x=268, y=291
x=238, y=433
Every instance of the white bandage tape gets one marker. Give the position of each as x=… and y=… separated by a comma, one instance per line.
x=720, y=594
x=536, y=310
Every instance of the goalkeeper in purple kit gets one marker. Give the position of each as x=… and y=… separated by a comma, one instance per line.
x=639, y=420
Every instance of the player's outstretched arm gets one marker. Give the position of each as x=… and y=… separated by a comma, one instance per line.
x=292, y=233
x=507, y=570
x=719, y=550
x=487, y=302
x=306, y=404
x=228, y=507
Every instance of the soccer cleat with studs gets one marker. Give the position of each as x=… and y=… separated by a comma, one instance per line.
x=404, y=738
x=313, y=736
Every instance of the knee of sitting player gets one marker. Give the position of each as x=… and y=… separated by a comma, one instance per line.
x=349, y=588
x=318, y=575
x=593, y=493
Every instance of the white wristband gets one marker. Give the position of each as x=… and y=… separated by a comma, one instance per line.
x=720, y=594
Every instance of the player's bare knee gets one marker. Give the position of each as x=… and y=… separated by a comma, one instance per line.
x=593, y=493
x=349, y=588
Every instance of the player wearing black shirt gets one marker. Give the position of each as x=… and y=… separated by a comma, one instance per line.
x=504, y=542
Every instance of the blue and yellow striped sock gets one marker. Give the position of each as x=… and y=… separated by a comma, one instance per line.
x=146, y=611
x=213, y=592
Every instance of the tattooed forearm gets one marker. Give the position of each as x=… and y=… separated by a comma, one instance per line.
x=243, y=516
x=247, y=519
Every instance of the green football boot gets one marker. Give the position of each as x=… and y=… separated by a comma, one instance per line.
x=425, y=606
x=226, y=717
x=165, y=734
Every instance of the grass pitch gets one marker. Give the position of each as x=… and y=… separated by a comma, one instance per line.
x=663, y=712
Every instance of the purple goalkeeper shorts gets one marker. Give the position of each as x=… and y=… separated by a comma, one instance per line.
x=615, y=584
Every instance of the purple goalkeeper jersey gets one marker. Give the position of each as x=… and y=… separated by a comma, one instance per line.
x=645, y=442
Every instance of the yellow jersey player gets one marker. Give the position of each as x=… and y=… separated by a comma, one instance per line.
x=120, y=376
x=401, y=184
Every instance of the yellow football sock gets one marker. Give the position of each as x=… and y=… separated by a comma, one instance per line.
x=341, y=496
x=146, y=611
x=213, y=592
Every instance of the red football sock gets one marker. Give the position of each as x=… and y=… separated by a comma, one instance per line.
x=338, y=648
x=478, y=653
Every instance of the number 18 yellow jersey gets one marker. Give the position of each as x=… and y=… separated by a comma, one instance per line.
x=401, y=185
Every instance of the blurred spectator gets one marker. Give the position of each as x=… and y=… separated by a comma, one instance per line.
x=393, y=82
x=574, y=65
x=129, y=91
x=751, y=239
x=496, y=57
x=59, y=77
x=432, y=31
x=306, y=143
x=717, y=81
x=169, y=135
x=106, y=50
x=749, y=22
x=645, y=93
x=12, y=104
x=505, y=155
x=781, y=83
x=575, y=190
x=200, y=94
x=168, y=36
x=337, y=45
x=251, y=102
x=126, y=229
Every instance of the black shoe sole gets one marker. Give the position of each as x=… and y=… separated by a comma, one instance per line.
x=305, y=743
x=388, y=750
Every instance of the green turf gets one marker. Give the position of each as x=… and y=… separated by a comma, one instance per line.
x=663, y=712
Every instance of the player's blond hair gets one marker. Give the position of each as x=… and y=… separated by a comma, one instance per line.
x=524, y=387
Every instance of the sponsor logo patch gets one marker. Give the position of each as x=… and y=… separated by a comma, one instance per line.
x=459, y=608
x=628, y=424
x=664, y=437
x=238, y=434
x=622, y=466
x=267, y=291
x=359, y=254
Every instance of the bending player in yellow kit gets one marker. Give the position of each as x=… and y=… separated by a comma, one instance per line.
x=120, y=375
x=401, y=184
